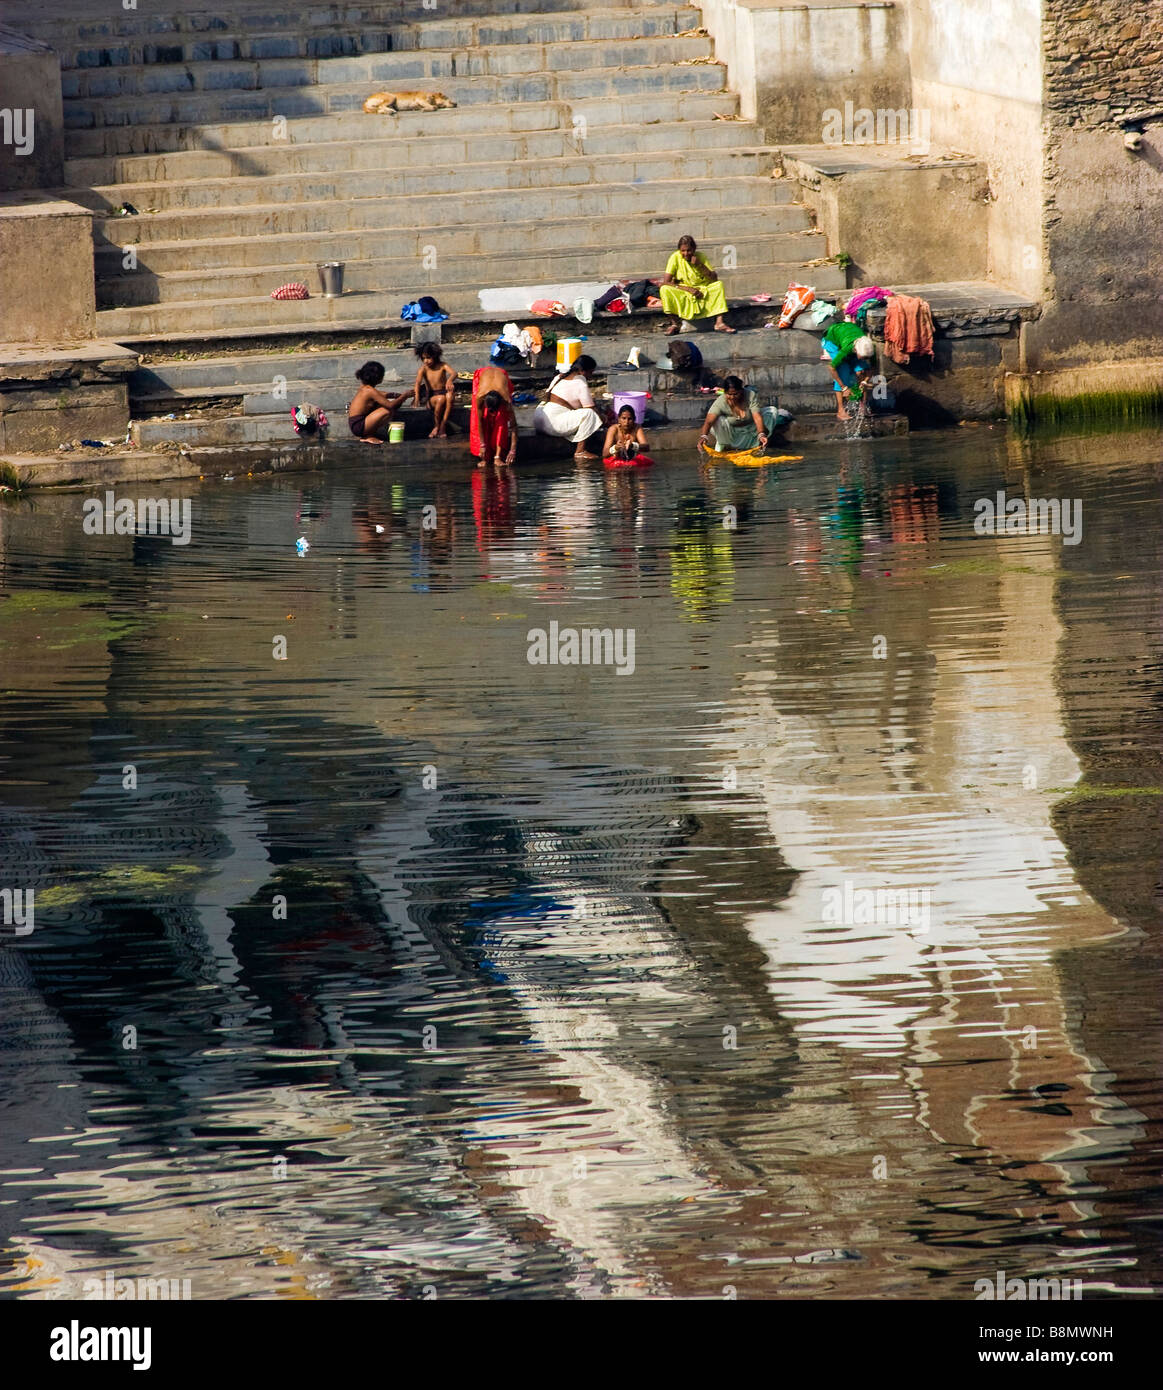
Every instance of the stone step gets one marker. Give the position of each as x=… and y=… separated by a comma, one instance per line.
x=556, y=254
x=457, y=280
x=729, y=197
x=383, y=305
x=254, y=373
x=595, y=85
x=372, y=71
x=543, y=176
x=640, y=109
x=798, y=386
x=754, y=238
x=463, y=30
x=319, y=17
x=110, y=174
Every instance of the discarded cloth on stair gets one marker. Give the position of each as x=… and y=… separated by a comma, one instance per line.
x=820, y=312
x=423, y=310
x=293, y=290
x=516, y=336
x=861, y=296
x=908, y=328
x=796, y=300
x=308, y=419
x=553, y=307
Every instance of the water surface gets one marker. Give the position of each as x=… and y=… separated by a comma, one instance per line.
x=411, y=969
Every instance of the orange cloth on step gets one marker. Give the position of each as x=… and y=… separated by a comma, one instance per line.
x=908, y=328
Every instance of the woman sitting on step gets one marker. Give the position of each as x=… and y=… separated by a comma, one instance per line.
x=568, y=409
x=690, y=289
x=736, y=420
x=370, y=409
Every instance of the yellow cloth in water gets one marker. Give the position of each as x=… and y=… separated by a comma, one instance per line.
x=751, y=458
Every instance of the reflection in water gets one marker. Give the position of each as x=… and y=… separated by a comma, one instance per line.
x=403, y=965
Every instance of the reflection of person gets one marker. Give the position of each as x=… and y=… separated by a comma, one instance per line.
x=736, y=420
x=625, y=438
x=568, y=410
x=690, y=289
x=436, y=380
x=370, y=409
x=850, y=353
x=492, y=431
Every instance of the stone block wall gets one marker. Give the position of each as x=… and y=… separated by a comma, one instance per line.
x=1102, y=203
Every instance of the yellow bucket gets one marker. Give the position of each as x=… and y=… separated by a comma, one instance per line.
x=568, y=351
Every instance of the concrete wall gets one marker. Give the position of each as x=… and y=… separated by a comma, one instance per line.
x=46, y=271
x=1103, y=204
x=31, y=149
x=977, y=69
x=791, y=63
x=900, y=223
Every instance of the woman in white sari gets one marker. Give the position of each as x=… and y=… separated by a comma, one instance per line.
x=568, y=409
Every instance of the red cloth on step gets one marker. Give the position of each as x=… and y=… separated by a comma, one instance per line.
x=908, y=328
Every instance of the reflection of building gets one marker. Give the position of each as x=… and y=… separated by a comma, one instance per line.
x=968, y=1013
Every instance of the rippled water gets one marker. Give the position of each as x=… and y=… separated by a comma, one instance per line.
x=560, y=1003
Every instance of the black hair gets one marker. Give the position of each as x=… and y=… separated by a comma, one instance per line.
x=694, y=245
x=423, y=349
x=371, y=373
x=493, y=399
x=733, y=383
x=582, y=364
x=633, y=412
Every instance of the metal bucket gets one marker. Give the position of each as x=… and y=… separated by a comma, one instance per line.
x=331, y=278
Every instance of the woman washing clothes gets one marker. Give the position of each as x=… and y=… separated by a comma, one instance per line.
x=850, y=354
x=737, y=421
x=691, y=290
x=370, y=410
x=568, y=409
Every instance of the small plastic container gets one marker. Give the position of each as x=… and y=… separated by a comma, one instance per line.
x=396, y=432
x=568, y=351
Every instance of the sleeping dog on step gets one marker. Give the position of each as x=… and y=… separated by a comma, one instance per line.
x=380, y=102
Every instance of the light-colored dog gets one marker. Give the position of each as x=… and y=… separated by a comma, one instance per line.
x=380, y=102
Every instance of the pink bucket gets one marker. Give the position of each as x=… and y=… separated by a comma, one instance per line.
x=636, y=399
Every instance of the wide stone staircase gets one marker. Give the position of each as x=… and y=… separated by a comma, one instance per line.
x=584, y=141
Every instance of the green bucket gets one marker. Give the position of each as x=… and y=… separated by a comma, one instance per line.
x=396, y=432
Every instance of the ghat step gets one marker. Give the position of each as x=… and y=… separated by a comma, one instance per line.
x=372, y=143
x=414, y=65
x=352, y=126
x=594, y=85
x=469, y=27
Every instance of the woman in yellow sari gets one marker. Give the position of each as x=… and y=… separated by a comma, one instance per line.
x=690, y=289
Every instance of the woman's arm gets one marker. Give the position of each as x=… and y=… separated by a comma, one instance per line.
x=611, y=439
x=641, y=437
x=705, y=432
